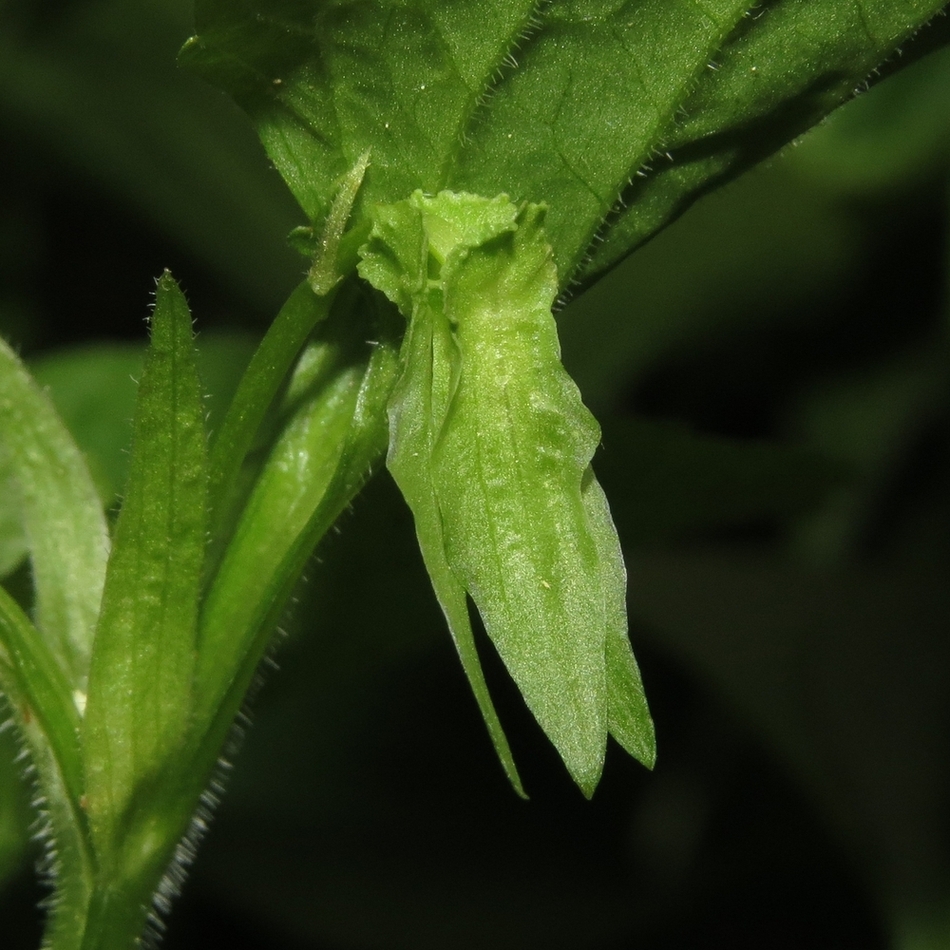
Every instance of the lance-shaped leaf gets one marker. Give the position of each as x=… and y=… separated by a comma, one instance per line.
x=43, y=668
x=616, y=113
x=141, y=678
x=333, y=431
x=64, y=526
x=492, y=445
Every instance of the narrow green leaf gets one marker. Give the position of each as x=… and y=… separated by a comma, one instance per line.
x=628, y=715
x=43, y=669
x=141, y=679
x=333, y=433
x=61, y=514
x=492, y=446
x=326, y=271
x=41, y=700
x=37, y=690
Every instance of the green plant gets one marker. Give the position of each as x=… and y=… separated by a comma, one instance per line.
x=360, y=109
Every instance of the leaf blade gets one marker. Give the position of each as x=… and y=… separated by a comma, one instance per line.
x=574, y=103
x=333, y=433
x=292, y=66
x=141, y=679
x=41, y=700
x=62, y=516
x=777, y=75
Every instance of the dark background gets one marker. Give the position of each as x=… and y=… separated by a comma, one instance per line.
x=771, y=374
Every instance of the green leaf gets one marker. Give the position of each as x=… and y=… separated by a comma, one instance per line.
x=41, y=700
x=333, y=432
x=61, y=514
x=491, y=445
x=43, y=668
x=13, y=546
x=93, y=389
x=779, y=70
x=141, y=680
x=615, y=114
x=326, y=272
x=628, y=715
x=38, y=691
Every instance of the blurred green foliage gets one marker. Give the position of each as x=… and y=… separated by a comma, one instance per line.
x=772, y=373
